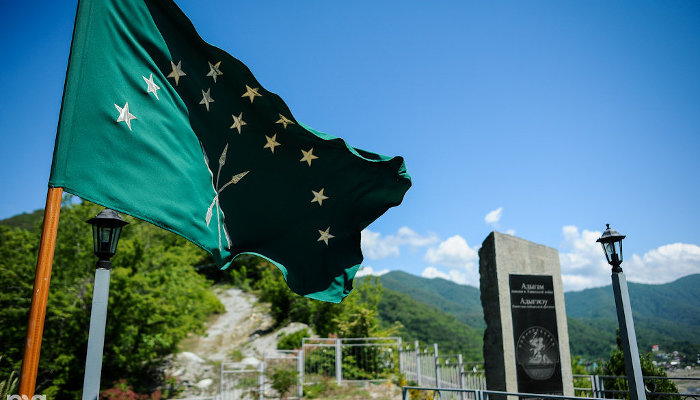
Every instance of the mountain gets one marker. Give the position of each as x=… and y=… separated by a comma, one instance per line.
x=462, y=301
x=28, y=221
x=678, y=300
x=666, y=314
x=430, y=325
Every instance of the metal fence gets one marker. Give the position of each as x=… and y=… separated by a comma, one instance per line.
x=349, y=359
x=378, y=359
x=239, y=381
x=477, y=394
x=616, y=386
x=427, y=367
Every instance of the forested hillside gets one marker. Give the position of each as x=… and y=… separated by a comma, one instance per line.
x=667, y=315
x=429, y=325
x=462, y=301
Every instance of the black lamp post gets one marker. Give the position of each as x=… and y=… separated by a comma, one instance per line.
x=611, y=241
x=106, y=228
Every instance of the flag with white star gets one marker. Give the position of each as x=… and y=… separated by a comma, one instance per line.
x=158, y=124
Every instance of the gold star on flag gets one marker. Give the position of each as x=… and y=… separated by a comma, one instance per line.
x=251, y=93
x=125, y=115
x=325, y=235
x=214, y=70
x=318, y=197
x=271, y=143
x=238, y=122
x=284, y=121
x=177, y=72
x=308, y=156
x=206, y=98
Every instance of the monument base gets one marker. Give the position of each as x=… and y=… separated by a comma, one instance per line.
x=526, y=341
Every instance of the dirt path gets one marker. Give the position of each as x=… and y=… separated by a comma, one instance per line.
x=243, y=333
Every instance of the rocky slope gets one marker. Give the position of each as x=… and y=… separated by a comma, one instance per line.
x=243, y=334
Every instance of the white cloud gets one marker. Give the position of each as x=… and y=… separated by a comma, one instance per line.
x=494, y=216
x=375, y=246
x=453, y=275
x=511, y=232
x=453, y=252
x=365, y=271
x=664, y=264
x=462, y=278
x=432, y=272
x=461, y=260
x=583, y=264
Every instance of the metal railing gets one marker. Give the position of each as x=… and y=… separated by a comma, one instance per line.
x=477, y=394
x=427, y=367
x=349, y=359
x=601, y=386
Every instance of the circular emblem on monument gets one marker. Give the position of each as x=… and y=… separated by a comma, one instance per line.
x=537, y=353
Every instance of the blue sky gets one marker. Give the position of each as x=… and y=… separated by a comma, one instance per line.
x=545, y=119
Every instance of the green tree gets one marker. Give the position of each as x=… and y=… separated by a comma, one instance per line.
x=615, y=366
x=156, y=299
x=282, y=379
x=579, y=368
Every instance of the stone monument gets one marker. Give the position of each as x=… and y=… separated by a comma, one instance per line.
x=526, y=342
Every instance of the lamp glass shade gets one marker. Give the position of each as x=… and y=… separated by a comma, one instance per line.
x=106, y=228
x=611, y=241
x=613, y=251
x=105, y=240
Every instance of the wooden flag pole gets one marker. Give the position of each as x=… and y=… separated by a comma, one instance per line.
x=40, y=295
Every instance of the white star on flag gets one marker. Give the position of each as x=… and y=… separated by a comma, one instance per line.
x=152, y=87
x=125, y=115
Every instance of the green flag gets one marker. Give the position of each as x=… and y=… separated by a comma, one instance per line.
x=158, y=124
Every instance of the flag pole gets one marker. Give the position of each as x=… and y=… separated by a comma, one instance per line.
x=40, y=295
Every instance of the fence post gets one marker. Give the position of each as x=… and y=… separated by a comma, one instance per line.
x=398, y=352
x=598, y=384
x=437, y=366
x=418, y=374
x=300, y=372
x=338, y=361
x=461, y=375
x=261, y=379
x=221, y=381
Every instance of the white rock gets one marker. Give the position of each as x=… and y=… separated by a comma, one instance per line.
x=204, y=383
x=250, y=361
x=191, y=357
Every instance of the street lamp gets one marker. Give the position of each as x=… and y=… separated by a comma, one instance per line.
x=106, y=228
x=611, y=241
